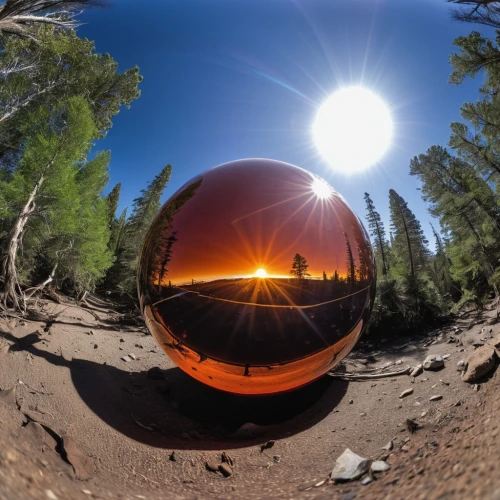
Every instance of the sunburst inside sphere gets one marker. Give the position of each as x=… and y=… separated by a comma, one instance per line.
x=202, y=266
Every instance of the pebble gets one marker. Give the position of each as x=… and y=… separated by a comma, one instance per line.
x=132, y=356
x=461, y=365
x=212, y=466
x=126, y=359
x=86, y=492
x=321, y=483
x=417, y=370
x=423, y=414
x=380, y=466
x=477, y=387
x=50, y=495
x=351, y=401
x=437, y=397
x=366, y=480
x=225, y=469
x=405, y=393
x=388, y=446
x=433, y=362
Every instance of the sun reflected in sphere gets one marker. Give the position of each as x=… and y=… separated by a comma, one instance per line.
x=321, y=189
x=261, y=273
x=201, y=277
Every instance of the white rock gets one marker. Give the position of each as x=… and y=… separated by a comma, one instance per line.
x=461, y=366
x=388, y=446
x=405, y=393
x=380, y=466
x=126, y=359
x=349, y=466
x=437, y=397
x=132, y=356
x=366, y=480
x=433, y=362
x=417, y=370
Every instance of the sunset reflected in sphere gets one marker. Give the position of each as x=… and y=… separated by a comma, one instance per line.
x=201, y=273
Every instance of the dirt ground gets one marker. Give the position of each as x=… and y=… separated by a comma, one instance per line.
x=131, y=434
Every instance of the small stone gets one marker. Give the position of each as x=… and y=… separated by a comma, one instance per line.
x=437, y=397
x=405, y=393
x=276, y=458
x=132, y=356
x=126, y=359
x=380, y=466
x=444, y=382
x=461, y=366
x=50, y=495
x=423, y=414
x=388, y=447
x=351, y=401
x=433, y=362
x=212, y=466
x=320, y=483
x=406, y=447
x=91, y=332
x=172, y=457
x=95, y=346
x=417, y=370
x=349, y=466
x=139, y=346
x=366, y=480
x=267, y=446
x=86, y=492
x=225, y=470
x=121, y=340
x=477, y=387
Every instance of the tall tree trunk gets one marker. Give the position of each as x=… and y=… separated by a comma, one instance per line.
x=11, y=284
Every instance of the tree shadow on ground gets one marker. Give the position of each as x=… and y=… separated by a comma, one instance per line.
x=180, y=412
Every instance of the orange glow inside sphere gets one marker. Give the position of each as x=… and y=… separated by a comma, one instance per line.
x=256, y=277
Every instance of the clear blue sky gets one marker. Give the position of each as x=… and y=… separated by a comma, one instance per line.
x=230, y=79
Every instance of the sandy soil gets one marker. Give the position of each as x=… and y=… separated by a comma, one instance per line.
x=131, y=436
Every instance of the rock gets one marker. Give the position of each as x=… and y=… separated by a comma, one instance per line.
x=212, y=466
x=417, y=370
x=388, y=447
x=379, y=466
x=366, y=480
x=437, y=397
x=132, y=356
x=155, y=373
x=461, y=366
x=349, y=466
x=122, y=340
x=433, y=362
x=228, y=459
x=479, y=363
x=8, y=397
x=172, y=457
x=266, y=446
x=82, y=465
x=351, y=401
x=405, y=393
x=95, y=346
x=225, y=470
x=126, y=359
x=276, y=458
x=320, y=483
x=423, y=414
x=50, y=495
x=406, y=447
x=477, y=387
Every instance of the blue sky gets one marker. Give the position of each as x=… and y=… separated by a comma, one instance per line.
x=230, y=79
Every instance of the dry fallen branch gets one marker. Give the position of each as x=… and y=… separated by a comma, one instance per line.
x=363, y=376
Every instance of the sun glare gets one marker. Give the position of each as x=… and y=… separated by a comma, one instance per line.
x=260, y=273
x=321, y=189
x=353, y=129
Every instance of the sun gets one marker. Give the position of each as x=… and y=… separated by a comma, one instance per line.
x=353, y=129
x=261, y=273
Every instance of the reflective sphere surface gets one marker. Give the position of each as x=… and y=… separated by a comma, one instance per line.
x=256, y=277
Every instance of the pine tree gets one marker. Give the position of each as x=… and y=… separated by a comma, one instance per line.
x=377, y=231
x=40, y=184
x=351, y=265
x=144, y=209
x=113, y=199
x=299, y=267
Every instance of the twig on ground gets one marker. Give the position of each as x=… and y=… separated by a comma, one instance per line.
x=364, y=376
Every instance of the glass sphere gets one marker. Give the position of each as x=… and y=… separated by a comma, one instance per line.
x=256, y=277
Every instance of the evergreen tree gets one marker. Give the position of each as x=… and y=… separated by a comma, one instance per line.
x=377, y=231
x=42, y=182
x=351, y=265
x=144, y=210
x=299, y=267
x=113, y=199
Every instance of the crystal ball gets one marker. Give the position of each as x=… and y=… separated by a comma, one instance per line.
x=256, y=277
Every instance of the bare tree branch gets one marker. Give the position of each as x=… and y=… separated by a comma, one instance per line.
x=485, y=12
